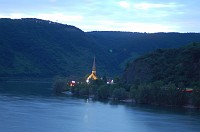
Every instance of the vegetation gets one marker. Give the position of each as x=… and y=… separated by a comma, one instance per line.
x=159, y=94
x=177, y=66
x=172, y=72
x=161, y=77
x=156, y=93
x=39, y=48
x=196, y=96
x=97, y=89
x=60, y=85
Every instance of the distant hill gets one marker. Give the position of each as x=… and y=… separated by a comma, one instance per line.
x=33, y=47
x=126, y=46
x=179, y=66
x=39, y=48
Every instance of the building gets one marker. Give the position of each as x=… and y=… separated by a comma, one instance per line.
x=93, y=75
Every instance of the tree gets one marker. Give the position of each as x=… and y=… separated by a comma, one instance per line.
x=133, y=92
x=157, y=92
x=60, y=85
x=103, y=92
x=176, y=96
x=196, y=96
x=119, y=94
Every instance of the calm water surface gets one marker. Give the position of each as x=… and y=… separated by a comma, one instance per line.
x=32, y=107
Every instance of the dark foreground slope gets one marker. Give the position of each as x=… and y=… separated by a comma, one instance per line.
x=178, y=66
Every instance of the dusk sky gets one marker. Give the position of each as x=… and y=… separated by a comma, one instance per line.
x=111, y=15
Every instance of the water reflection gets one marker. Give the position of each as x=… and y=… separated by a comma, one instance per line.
x=26, y=88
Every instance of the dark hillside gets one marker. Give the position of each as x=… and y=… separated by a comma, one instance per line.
x=126, y=46
x=178, y=66
x=36, y=47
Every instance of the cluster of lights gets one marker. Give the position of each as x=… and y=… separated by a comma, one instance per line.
x=110, y=82
x=72, y=83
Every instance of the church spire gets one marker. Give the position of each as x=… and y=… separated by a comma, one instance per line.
x=94, y=66
x=93, y=74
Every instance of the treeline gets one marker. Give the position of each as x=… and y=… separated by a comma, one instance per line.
x=179, y=66
x=156, y=93
x=97, y=89
x=159, y=93
x=161, y=77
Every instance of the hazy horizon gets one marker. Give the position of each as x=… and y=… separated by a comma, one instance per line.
x=111, y=15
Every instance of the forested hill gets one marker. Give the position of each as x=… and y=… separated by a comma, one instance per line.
x=142, y=42
x=179, y=66
x=34, y=47
x=126, y=46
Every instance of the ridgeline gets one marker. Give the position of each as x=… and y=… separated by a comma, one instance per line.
x=39, y=48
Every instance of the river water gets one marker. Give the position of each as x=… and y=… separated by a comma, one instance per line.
x=32, y=107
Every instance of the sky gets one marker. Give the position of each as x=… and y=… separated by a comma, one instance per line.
x=111, y=15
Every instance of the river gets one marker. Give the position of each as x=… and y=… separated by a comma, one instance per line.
x=32, y=107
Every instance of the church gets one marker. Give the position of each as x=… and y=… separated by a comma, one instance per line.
x=93, y=75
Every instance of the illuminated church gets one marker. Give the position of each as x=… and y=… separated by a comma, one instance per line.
x=93, y=75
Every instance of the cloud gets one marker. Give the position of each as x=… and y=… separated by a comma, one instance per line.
x=102, y=24
x=146, y=27
x=110, y=25
x=113, y=15
x=12, y=15
x=59, y=17
x=146, y=6
x=124, y=4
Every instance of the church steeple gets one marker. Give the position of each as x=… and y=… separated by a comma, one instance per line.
x=93, y=74
x=94, y=67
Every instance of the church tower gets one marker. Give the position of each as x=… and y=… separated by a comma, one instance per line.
x=93, y=75
x=94, y=67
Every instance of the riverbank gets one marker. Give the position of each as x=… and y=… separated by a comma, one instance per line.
x=188, y=106
x=127, y=101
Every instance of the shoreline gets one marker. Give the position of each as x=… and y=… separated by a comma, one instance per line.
x=187, y=106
